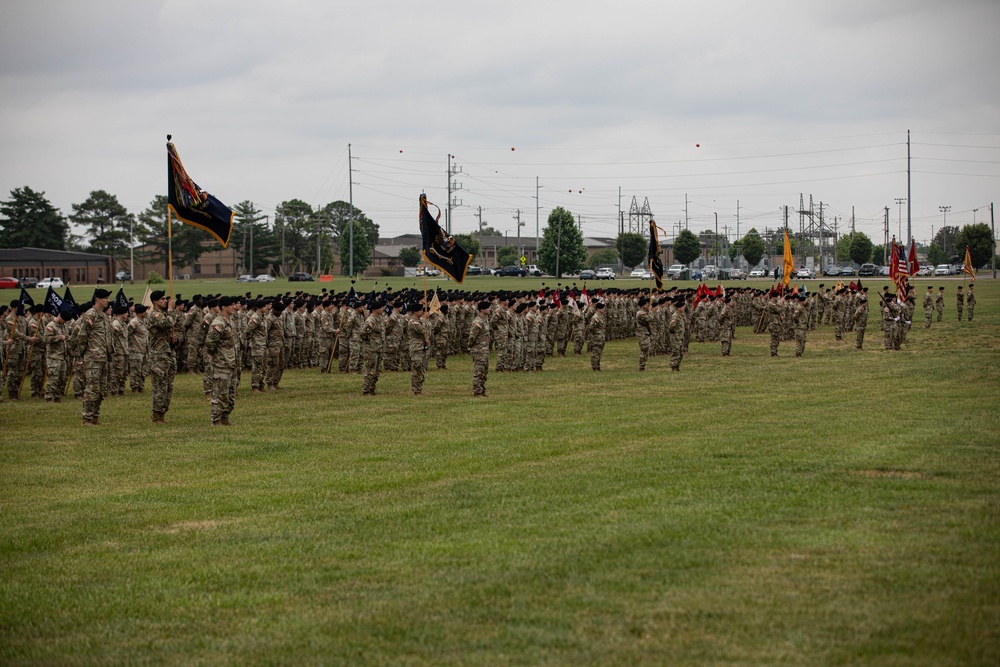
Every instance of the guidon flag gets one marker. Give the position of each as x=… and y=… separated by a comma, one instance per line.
x=439, y=248
x=192, y=205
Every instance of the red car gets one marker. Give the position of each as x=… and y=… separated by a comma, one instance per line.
x=9, y=283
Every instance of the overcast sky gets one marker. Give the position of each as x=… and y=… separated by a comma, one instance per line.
x=594, y=98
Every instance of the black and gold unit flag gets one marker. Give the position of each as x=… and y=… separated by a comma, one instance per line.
x=653, y=256
x=440, y=249
x=194, y=206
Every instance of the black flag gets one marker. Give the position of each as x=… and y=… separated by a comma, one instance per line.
x=53, y=304
x=440, y=249
x=194, y=206
x=653, y=256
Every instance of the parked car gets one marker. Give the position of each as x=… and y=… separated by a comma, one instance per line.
x=943, y=270
x=300, y=276
x=710, y=271
x=122, y=276
x=736, y=274
x=868, y=270
x=642, y=274
x=847, y=270
x=28, y=282
x=605, y=274
x=6, y=282
x=264, y=278
x=803, y=273
x=758, y=273
x=588, y=274
x=637, y=272
x=511, y=271
x=697, y=275
x=534, y=270
x=675, y=271
x=883, y=270
x=246, y=279
x=474, y=270
x=927, y=270
x=53, y=282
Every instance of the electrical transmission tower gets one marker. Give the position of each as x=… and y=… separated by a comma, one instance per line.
x=638, y=219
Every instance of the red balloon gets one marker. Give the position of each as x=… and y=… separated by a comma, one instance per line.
x=400, y=150
x=512, y=148
x=697, y=145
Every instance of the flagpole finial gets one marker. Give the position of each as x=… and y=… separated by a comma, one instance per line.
x=169, y=137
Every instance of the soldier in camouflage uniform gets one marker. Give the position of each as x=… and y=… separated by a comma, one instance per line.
x=479, y=346
x=162, y=326
x=500, y=323
x=138, y=349
x=774, y=313
x=727, y=323
x=56, y=339
x=119, y=350
x=800, y=318
x=959, y=301
x=372, y=335
x=256, y=333
x=970, y=300
x=275, y=345
x=440, y=332
x=890, y=316
x=644, y=331
x=93, y=339
x=928, y=307
x=35, y=369
x=220, y=346
x=861, y=319
x=675, y=331
x=417, y=338
x=596, y=335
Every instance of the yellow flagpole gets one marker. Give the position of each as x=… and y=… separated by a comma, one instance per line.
x=170, y=254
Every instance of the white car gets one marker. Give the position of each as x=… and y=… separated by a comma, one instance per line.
x=264, y=278
x=804, y=273
x=710, y=271
x=757, y=273
x=943, y=270
x=54, y=283
x=639, y=272
x=605, y=274
x=675, y=270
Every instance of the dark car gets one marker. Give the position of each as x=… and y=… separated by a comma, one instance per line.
x=7, y=282
x=587, y=274
x=868, y=270
x=511, y=271
x=847, y=270
x=29, y=282
x=300, y=277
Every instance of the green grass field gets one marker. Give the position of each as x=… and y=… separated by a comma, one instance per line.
x=838, y=509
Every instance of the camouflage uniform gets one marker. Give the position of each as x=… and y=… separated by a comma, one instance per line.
x=929, y=308
x=36, y=353
x=94, y=339
x=138, y=351
x=479, y=346
x=800, y=317
x=256, y=333
x=726, y=325
x=56, y=355
x=675, y=331
x=372, y=335
x=970, y=302
x=959, y=302
x=220, y=344
x=161, y=326
x=596, y=335
x=939, y=304
x=774, y=312
x=119, y=355
x=861, y=320
x=417, y=334
x=275, y=349
x=644, y=332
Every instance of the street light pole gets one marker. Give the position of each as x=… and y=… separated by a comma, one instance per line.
x=944, y=231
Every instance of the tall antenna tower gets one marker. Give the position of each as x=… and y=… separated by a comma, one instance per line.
x=638, y=218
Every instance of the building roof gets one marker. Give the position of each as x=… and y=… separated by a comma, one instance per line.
x=47, y=255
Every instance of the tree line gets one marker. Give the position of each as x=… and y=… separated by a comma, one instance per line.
x=284, y=242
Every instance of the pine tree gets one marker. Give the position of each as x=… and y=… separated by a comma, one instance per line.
x=28, y=220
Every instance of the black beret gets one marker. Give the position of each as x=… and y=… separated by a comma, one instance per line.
x=159, y=294
x=101, y=293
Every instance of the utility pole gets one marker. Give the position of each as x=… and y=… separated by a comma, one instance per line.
x=716, y=241
x=685, y=211
x=993, y=226
x=480, y=216
x=885, y=243
x=538, y=207
x=520, y=250
x=283, y=272
x=899, y=218
x=944, y=231
x=909, y=208
x=452, y=171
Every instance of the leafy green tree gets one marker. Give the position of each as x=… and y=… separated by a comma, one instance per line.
x=184, y=243
x=337, y=218
x=935, y=255
x=507, y=256
x=687, y=248
x=979, y=238
x=860, y=249
x=248, y=225
x=28, y=220
x=561, y=231
x=752, y=247
x=469, y=242
x=947, y=239
x=296, y=225
x=602, y=257
x=633, y=248
x=410, y=256
x=362, y=251
x=735, y=250
x=106, y=222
